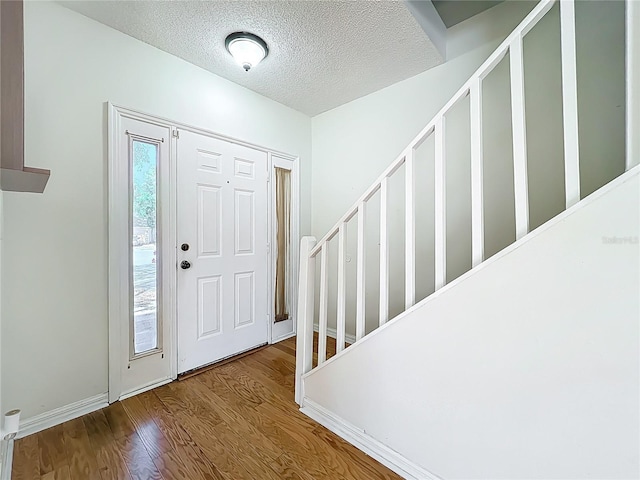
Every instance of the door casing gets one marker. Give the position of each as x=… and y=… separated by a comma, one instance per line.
x=118, y=302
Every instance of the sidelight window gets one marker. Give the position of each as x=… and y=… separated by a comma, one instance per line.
x=144, y=246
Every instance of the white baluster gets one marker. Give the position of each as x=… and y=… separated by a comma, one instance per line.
x=324, y=301
x=410, y=231
x=570, y=102
x=440, y=206
x=304, y=339
x=520, y=186
x=384, y=251
x=477, y=159
x=341, y=298
x=360, y=274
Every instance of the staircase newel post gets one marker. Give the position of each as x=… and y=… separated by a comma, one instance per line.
x=304, y=332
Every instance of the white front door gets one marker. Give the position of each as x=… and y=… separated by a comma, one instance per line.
x=222, y=207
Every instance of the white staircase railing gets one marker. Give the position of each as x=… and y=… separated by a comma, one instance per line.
x=310, y=249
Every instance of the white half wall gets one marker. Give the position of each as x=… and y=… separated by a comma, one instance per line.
x=54, y=272
x=526, y=368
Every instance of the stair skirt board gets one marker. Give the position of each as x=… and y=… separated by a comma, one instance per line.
x=62, y=414
x=369, y=445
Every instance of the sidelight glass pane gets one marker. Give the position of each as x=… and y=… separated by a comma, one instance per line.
x=283, y=227
x=144, y=246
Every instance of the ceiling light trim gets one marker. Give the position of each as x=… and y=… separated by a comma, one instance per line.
x=246, y=59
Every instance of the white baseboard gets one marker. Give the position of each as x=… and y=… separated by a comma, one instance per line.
x=62, y=414
x=369, y=445
x=283, y=337
x=331, y=332
x=146, y=388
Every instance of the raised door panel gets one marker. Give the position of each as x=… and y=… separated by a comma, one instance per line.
x=209, y=221
x=209, y=306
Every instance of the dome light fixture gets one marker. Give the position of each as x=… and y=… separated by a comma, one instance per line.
x=246, y=48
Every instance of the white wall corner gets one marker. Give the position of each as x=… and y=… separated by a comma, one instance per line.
x=429, y=20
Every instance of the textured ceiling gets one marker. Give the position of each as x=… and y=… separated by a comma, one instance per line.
x=321, y=53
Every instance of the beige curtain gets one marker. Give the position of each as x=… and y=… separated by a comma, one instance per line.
x=283, y=218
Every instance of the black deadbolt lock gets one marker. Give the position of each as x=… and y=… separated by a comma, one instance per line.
x=184, y=247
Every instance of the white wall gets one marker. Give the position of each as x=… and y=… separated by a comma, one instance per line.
x=354, y=143
x=526, y=368
x=54, y=331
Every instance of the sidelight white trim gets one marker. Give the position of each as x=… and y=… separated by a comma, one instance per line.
x=120, y=259
x=146, y=388
x=116, y=265
x=280, y=331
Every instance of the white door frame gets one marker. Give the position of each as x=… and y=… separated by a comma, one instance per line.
x=294, y=244
x=119, y=272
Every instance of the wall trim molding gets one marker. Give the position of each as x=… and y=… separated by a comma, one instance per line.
x=62, y=414
x=365, y=442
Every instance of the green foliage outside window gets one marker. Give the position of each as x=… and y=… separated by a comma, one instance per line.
x=144, y=184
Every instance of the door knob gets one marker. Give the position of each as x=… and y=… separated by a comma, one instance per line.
x=184, y=265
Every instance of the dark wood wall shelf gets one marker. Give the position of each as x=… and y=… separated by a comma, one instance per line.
x=14, y=176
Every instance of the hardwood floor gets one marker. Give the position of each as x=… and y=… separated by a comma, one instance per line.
x=235, y=421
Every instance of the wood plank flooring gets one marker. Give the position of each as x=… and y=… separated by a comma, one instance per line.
x=233, y=422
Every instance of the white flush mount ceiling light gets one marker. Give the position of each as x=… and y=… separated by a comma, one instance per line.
x=246, y=48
